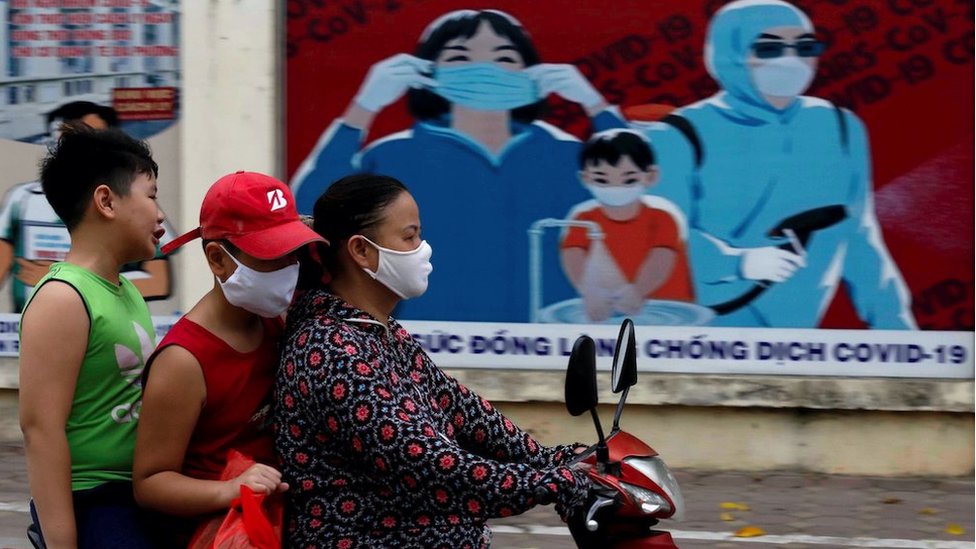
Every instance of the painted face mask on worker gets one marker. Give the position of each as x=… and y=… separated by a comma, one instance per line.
x=783, y=77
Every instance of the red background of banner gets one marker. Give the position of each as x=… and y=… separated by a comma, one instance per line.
x=904, y=66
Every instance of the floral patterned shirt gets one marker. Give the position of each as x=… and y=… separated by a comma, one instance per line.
x=383, y=449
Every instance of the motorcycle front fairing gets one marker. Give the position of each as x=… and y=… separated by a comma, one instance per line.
x=637, y=473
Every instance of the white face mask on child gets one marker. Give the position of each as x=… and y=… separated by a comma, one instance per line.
x=264, y=294
x=404, y=273
x=616, y=196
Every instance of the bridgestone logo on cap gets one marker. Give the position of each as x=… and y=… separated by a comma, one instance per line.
x=277, y=199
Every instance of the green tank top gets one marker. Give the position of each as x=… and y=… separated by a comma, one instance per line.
x=101, y=427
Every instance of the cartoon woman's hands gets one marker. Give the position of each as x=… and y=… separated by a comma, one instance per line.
x=261, y=478
x=389, y=79
x=569, y=83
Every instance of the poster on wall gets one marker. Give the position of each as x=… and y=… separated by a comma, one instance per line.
x=106, y=64
x=773, y=174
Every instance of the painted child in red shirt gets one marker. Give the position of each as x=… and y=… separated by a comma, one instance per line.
x=208, y=384
x=643, y=254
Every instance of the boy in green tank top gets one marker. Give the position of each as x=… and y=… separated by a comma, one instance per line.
x=85, y=334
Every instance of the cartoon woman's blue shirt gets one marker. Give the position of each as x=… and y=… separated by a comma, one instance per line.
x=476, y=207
x=761, y=165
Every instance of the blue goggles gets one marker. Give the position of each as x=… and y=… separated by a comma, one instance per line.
x=771, y=49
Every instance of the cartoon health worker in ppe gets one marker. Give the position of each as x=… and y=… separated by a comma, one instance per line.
x=776, y=186
x=642, y=253
x=478, y=160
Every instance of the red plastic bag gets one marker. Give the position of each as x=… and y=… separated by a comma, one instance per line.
x=252, y=522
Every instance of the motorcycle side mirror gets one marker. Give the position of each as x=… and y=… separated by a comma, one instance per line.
x=624, y=372
x=581, y=392
x=623, y=375
x=581, y=377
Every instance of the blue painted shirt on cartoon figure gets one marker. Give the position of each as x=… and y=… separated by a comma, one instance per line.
x=767, y=153
x=478, y=159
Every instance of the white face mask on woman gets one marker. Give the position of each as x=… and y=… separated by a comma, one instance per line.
x=264, y=294
x=404, y=273
x=485, y=87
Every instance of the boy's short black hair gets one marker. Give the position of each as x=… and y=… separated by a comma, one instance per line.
x=610, y=146
x=83, y=159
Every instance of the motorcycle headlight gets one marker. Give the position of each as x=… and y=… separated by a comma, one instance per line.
x=655, y=469
x=650, y=503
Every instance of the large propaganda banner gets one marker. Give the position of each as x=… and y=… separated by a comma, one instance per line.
x=752, y=182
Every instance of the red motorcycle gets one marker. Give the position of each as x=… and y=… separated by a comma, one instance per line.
x=633, y=488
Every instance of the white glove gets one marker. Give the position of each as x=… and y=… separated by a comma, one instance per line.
x=770, y=263
x=390, y=78
x=566, y=81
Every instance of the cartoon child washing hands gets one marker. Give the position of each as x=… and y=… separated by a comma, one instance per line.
x=642, y=255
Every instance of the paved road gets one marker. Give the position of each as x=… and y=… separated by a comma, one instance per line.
x=797, y=511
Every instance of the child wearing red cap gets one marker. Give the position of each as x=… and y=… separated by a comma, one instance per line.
x=208, y=384
x=85, y=333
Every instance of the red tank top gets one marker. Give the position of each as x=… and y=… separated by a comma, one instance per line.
x=237, y=411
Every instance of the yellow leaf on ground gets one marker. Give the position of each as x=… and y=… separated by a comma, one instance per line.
x=727, y=517
x=731, y=505
x=928, y=511
x=955, y=530
x=750, y=532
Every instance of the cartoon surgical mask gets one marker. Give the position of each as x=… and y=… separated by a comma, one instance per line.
x=616, y=196
x=404, y=273
x=786, y=76
x=485, y=87
x=266, y=294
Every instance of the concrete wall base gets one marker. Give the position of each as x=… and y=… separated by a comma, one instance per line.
x=857, y=442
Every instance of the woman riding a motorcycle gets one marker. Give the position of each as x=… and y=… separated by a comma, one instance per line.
x=380, y=447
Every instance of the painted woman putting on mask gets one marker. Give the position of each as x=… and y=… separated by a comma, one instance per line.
x=208, y=385
x=381, y=448
x=477, y=156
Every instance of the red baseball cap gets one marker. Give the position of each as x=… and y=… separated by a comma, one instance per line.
x=254, y=212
